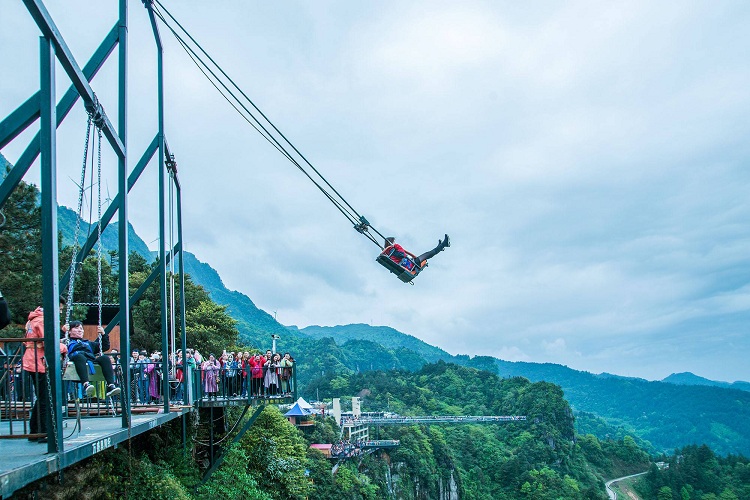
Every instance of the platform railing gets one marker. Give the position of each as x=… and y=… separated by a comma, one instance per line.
x=240, y=384
x=20, y=389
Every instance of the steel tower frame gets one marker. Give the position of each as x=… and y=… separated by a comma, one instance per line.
x=43, y=106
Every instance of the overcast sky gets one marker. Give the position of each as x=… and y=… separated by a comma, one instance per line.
x=588, y=159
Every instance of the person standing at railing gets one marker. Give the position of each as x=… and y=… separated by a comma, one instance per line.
x=244, y=371
x=134, y=376
x=286, y=364
x=152, y=372
x=271, y=378
x=256, y=374
x=35, y=367
x=179, y=375
x=143, y=377
x=233, y=375
x=211, y=368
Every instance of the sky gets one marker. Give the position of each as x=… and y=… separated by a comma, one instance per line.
x=589, y=161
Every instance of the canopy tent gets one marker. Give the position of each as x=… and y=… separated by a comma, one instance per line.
x=297, y=411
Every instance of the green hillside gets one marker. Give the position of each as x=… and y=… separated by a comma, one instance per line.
x=66, y=224
x=667, y=415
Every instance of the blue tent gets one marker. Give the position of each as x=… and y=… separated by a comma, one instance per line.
x=298, y=411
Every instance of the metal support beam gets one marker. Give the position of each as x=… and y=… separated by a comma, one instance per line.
x=236, y=439
x=8, y=127
x=48, y=28
x=19, y=120
x=162, y=204
x=183, y=326
x=50, y=290
x=121, y=204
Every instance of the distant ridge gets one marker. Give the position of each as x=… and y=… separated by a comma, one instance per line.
x=688, y=378
x=383, y=335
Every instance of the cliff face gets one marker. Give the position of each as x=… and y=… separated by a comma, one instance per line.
x=401, y=485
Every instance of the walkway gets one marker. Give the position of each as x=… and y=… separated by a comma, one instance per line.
x=608, y=484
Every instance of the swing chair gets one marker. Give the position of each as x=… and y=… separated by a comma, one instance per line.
x=402, y=272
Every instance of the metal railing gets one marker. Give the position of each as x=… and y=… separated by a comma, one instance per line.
x=224, y=384
x=241, y=384
x=24, y=395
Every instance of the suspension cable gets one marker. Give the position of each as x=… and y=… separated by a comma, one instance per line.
x=360, y=223
x=353, y=216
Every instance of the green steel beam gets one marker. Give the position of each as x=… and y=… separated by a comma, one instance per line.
x=50, y=291
x=162, y=204
x=63, y=108
x=19, y=120
x=48, y=28
x=120, y=203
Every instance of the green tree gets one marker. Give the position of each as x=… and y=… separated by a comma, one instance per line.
x=232, y=480
x=210, y=328
x=665, y=493
x=277, y=455
x=21, y=249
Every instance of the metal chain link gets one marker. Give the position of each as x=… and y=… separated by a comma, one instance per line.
x=99, y=235
x=71, y=282
x=52, y=408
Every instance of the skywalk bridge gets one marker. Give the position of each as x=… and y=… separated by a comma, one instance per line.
x=447, y=419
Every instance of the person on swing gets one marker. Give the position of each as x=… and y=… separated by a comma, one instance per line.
x=82, y=353
x=401, y=256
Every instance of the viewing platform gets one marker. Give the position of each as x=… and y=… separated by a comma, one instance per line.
x=92, y=425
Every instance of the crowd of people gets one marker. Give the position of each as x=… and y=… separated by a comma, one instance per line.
x=230, y=375
x=347, y=449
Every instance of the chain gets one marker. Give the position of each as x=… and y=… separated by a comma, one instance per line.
x=78, y=227
x=52, y=408
x=99, y=235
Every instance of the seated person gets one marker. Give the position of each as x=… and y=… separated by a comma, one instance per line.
x=82, y=353
x=408, y=260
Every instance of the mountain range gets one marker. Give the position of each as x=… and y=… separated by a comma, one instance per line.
x=680, y=410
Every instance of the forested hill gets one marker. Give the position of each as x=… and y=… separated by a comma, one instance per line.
x=667, y=415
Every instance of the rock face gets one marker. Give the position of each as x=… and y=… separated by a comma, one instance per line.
x=447, y=487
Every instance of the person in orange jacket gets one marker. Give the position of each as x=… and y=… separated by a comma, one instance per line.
x=36, y=367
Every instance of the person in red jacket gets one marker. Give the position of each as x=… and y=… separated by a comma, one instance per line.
x=256, y=374
x=408, y=260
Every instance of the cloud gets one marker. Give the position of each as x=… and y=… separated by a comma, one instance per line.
x=589, y=163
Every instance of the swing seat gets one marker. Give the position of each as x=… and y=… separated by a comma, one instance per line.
x=71, y=375
x=404, y=274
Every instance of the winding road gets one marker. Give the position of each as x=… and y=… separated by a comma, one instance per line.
x=608, y=484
